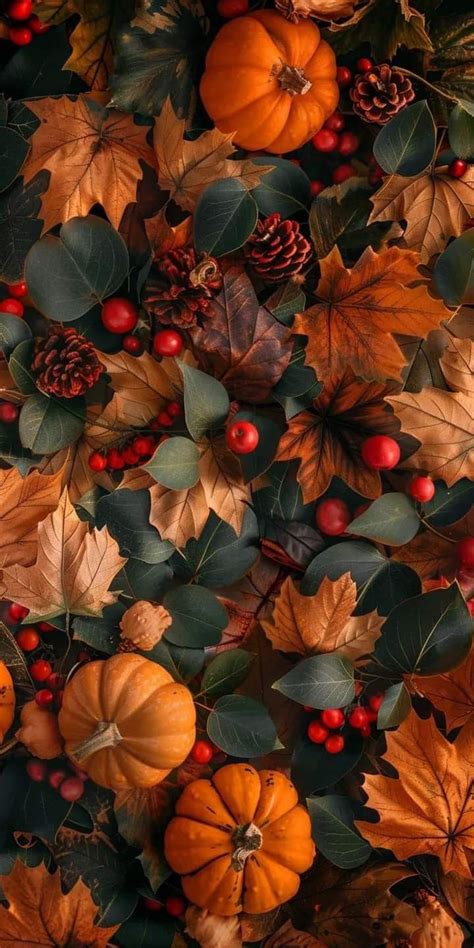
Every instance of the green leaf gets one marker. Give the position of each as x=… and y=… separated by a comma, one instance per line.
x=259, y=460
x=143, y=930
x=19, y=366
x=242, y=727
x=219, y=556
x=226, y=671
x=332, y=821
x=198, y=617
x=28, y=807
x=206, y=402
x=48, y=424
x=139, y=580
x=284, y=190
x=298, y=386
x=175, y=464
x=13, y=152
x=126, y=514
x=322, y=681
x=20, y=224
x=13, y=331
x=461, y=133
x=225, y=216
x=69, y=274
x=100, y=632
x=454, y=271
x=188, y=662
x=396, y=706
x=286, y=301
x=449, y=503
x=313, y=769
x=406, y=145
x=391, y=519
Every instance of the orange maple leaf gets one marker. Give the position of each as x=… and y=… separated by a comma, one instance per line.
x=452, y=693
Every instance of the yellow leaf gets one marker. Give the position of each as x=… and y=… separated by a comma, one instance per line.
x=24, y=501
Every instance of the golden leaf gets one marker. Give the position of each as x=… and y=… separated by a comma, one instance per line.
x=429, y=807
x=178, y=515
x=142, y=386
x=163, y=237
x=39, y=914
x=434, y=206
x=223, y=484
x=457, y=364
x=24, y=501
x=452, y=693
x=54, y=12
x=73, y=570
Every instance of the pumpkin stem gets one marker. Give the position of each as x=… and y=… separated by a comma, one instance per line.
x=106, y=734
x=293, y=80
x=247, y=839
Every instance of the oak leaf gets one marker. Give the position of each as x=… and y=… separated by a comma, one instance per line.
x=242, y=344
x=429, y=807
x=223, y=484
x=443, y=423
x=322, y=622
x=178, y=515
x=185, y=168
x=73, y=570
x=24, y=502
x=434, y=206
x=432, y=554
x=93, y=156
x=39, y=914
x=457, y=365
x=452, y=693
x=142, y=386
x=328, y=438
x=358, y=310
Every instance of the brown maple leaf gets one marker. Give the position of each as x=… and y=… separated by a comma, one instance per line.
x=223, y=484
x=434, y=206
x=142, y=386
x=443, y=423
x=24, y=502
x=433, y=554
x=457, y=365
x=322, y=622
x=242, y=344
x=92, y=154
x=452, y=693
x=178, y=515
x=40, y=914
x=429, y=807
x=358, y=310
x=73, y=570
x=328, y=438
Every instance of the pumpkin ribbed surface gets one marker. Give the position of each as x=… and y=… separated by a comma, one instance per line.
x=7, y=701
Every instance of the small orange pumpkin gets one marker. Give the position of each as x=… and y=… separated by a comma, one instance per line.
x=270, y=82
x=240, y=840
x=7, y=701
x=126, y=722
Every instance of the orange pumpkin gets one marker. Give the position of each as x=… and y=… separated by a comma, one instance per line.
x=240, y=840
x=126, y=722
x=270, y=82
x=7, y=701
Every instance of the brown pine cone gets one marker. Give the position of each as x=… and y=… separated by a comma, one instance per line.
x=65, y=363
x=180, y=286
x=380, y=93
x=277, y=249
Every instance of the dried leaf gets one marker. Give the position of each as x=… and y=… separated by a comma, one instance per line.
x=212, y=931
x=142, y=386
x=457, y=364
x=223, y=484
x=435, y=207
x=92, y=40
x=39, y=914
x=432, y=554
x=289, y=937
x=24, y=502
x=178, y=515
x=73, y=570
x=452, y=693
x=163, y=237
x=429, y=807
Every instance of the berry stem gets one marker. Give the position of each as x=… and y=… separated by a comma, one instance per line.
x=429, y=85
x=433, y=530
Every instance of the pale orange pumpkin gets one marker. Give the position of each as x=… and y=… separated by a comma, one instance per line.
x=7, y=701
x=126, y=722
x=240, y=840
x=271, y=82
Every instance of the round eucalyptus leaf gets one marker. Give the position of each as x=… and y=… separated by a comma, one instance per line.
x=406, y=145
x=225, y=216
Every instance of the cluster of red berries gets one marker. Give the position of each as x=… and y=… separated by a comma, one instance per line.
x=120, y=316
x=332, y=719
x=24, y=23
x=140, y=448
x=69, y=783
x=28, y=638
x=333, y=137
x=174, y=905
x=12, y=304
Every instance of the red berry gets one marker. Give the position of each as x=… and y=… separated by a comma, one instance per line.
x=332, y=718
x=174, y=409
x=144, y=445
x=316, y=187
x=325, y=140
x=164, y=420
x=175, y=906
x=119, y=315
x=365, y=731
x=228, y=9
x=371, y=715
x=40, y=670
x=97, y=461
x=316, y=732
x=375, y=702
x=20, y=35
x=358, y=688
x=72, y=789
x=457, y=168
x=15, y=612
x=36, y=770
x=132, y=344
x=242, y=437
x=115, y=460
x=55, y=681
x=470, y=606
x=332, y=516
x=12, y=306
x=380, y=453
x=343, y=76
x=152, y=905
x=348, y=144
x=364, y=64
x=167, y=342
x=465, y=553
x=335, y=122
x=19, y=9
x=342, y=173
x=44, y=697
x=358, y=718
x=130, y=456
x=56, y=778
x=202, y=752
x=334, y=744
x=28, y=639
x=17, y=289
x=45, y=627
x=422, y=489
x=36, y=26
x=8, y=412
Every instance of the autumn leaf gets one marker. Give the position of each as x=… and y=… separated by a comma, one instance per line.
x=93, y=156
x=359, y=309
x=54, y=12
x=452, y=693
x=322, y=622
x=290, y=937
x=429, y=807
x=179, y=515
x=433, y=554
x=142, y=386
x=39, y=914
x=73, y=570
x=443, y=423
x=242, y=344
x=328, y=438
x=163, y=237
x=92, y=40
x=24, y=502
x=222, y=482
x=435, y=207
x=457, y=365
x=139, y=814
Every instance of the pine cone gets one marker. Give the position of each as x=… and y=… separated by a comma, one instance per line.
x=380, y=93
x=65, y=363
x=143, y=625
x=179, y=287
x=277, y=250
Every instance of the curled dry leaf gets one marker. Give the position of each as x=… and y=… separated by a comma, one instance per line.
x=142, y=386
x=452, y=693
x=457, y=364
x=212, y=931
x=24, y=502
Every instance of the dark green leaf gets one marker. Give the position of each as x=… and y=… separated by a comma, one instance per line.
x=144, y=930
x=298, y=386
x=13, y=152
x=198, y=617
x=461, y=133
x=175, y=464
x=139, y=580
x=226, y=671
x=333, y=214
x=13, y=331
x=391, y=519
x=126, y=514
x=395, y=707
x=322, y=681
x=259, y=460
x=219, y=556
x=19, y=366
x=241, y=727
x=206, y=402
x=188, y=662
x=406, y=145
x=20, y=224
x=449, y=503
x=37, y=69
x=334, y=833
x=28, y=807
x=454, y=271
x=286, y=301
x=225, y=216
x=100, y=632
x=49, y=424
x=313, y=769
x=284, y=190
